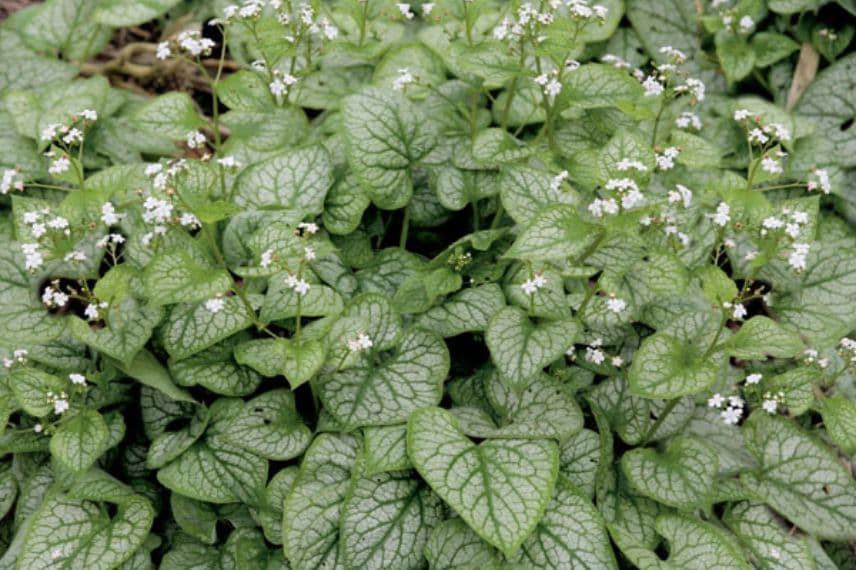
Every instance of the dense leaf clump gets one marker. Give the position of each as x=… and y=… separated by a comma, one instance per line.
x=464, y=284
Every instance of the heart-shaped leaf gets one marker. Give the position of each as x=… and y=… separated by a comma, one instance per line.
x=520, y=349
x=500, y=487
x=385, y=394
x=665, y=367
x=270, y=426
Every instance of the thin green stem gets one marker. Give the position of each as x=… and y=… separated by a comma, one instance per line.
x=405, y=228
x=652, y=431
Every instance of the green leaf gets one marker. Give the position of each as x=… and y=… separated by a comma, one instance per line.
x=467, y=311
x=501, y=488
x=826, y=100
x=817, y=306
x=526, y=191
x=595, y=85
x=735, y=55
x=578, y=460
x=665, y=367
x=760, y=337
x=302, y=361
x=190, y=328
x=173, y=277
x=215, y=369
x=454, y=545
x=681, y=476
x=545, y=409
x=839, y=418
x=696, y=152
x=386, y=393
x=520, y=349
x=571, y=534
x=344, y=205
x=66, y=26
x=80, y=440
x=196, y=518
x=420, y=290
x=123, y=13
x=281, y=301
x=312, y=511
x=385, y=449
x=215, y=471
x=386, y=136
x=792, y=6
x=770, y=47
x=800, y=478
x=557, y=232
x=296, y=180
x=31, y=386
x=386, y=521
x=270, y=426
x=693, y=545
x=665, y=23
x=172, y=115
x=767, y=538
x=128, y=327
x=70, y=533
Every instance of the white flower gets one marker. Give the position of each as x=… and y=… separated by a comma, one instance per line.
x=715, y=401
x=38, y=428
x=404, y=79
x=49, y=132
x=687, y=120
x=652, y=86
x=91, y=312
x=301, y=287
x=746, y=24
x=78, y=379
x=60, y=405
x=615, y=61
x=779, y=131
x=195, y=139
x=59, y=165
x=771, y=165
x=163, y=52
x=405, y=11
x=739, y=311
x=770, y=406
x=530, y=286
x=10, y=180
x=616, y=305
x=310, y=228
x=617, y=361
x=742, y=114
x=110, y=239
x=361, y=343
x=109, y=215
x=736, y=402
x=792, y=230
x=75, y=255
x=822, y=181
x=193, y=43
x=731, y=415
x=772, y=223
x=308, y=253
x=267, y=258
x=847, y=344
x=595, y=355
x=674, y=53
x=427, y=8
x=73, y=136
x=216, y=304
x=553, y=88
x=797, y=258
x=757, y=135
x=557, y=180
x=156, y=210
x=722, y=215
x=754, y=378
x=600, y=207
x=229, y=162
x=628, y=164
x=189, y=220
x=682, y=194
x=666, y=159
x=695, y=88
x=799, y=217
x=33, y=258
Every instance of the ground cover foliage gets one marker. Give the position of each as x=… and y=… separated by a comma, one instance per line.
x=461, y=284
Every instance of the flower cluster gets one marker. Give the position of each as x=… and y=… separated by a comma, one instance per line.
x=531, y=285
x=360, y=343
x=281, y=83
x=11, y=180
x=595, y=354
x=19, y=356
x=531, y=22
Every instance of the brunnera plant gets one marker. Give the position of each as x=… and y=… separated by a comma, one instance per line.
x=461, y=284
